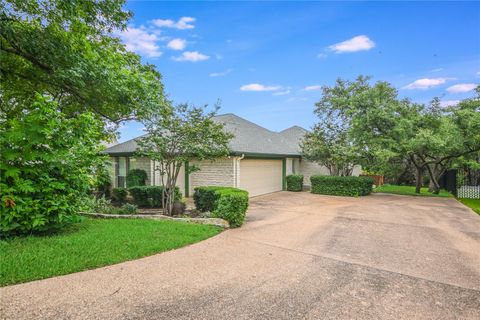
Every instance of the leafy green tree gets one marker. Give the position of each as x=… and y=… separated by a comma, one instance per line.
x=64, y=49
x=59, y=60
x=45, y=167
x=178, y=135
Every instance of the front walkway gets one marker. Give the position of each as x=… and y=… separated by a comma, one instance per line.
x=299, y=256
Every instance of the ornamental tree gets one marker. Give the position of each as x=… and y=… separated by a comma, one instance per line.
x=178, y=135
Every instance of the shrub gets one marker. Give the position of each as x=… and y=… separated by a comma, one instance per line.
x=136, y=177
x=341, y=186
x=294, y=182
x=119, y=195
x=232, y=206
x=46, y=162
x=224, y=202
x=205, y=197
x=150, y=196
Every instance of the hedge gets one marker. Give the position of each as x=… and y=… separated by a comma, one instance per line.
x=341, y=186
x=119, y=195
x=230, y=204
x=150, y=196
x=294, y=182
x=205, y=197
x=136, y=177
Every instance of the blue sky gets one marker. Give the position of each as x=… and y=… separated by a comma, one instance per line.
x=265, y=61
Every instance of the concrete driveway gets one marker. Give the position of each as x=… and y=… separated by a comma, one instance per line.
x=300, y=256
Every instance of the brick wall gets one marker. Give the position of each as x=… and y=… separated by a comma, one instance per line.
x=308, y=169
x=213, y=173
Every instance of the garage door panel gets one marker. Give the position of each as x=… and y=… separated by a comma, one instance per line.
x=260, y=176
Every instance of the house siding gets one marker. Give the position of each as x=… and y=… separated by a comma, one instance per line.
x=213, y=173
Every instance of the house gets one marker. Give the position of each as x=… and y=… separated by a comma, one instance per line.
x=259, y=160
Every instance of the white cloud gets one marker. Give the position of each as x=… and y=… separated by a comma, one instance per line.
x=322, y=55
x=259, y=87
x=437, y=70
x=192, y=56
x=182, y=24
x=140, y=41
x=462, y=87
x=358, y=43
x=177, y=44
x=426, y=83
x=448, y=103
x=220, y=74
x=312, y=88
x=282, y=93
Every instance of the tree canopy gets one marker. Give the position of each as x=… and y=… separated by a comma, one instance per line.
x=65, y=83
x=377, y=128
x=64, y=49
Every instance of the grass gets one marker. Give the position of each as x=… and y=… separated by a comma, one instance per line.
x=474, y=204
x=93, y=243
x=410, y=191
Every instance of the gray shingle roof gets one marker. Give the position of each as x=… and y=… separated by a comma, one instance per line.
x=249, y=138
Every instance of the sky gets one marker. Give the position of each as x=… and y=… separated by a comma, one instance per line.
x=267, y=61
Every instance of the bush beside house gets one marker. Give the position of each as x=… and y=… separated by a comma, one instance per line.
x=136, y=177
x=294, y=182
x=230, y=204
x=151, y=196
x=341, y=186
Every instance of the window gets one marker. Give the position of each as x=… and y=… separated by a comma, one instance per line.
x=122, y=169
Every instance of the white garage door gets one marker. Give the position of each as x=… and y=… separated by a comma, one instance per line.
x=260, y=176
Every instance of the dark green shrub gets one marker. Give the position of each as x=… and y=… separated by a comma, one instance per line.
x=150, y=196
x=341, y=186
x=136, y=177
x=224, y=202
x=119, y=195
x=205, y=197
x=294, y=182
x=232, y=206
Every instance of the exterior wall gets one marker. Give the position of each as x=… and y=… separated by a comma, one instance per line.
x=213, y=173
x=290, y=166
x=308, y=169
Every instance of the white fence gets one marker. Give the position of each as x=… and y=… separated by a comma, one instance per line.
x=469, y=192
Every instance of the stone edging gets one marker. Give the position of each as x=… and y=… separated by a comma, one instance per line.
x=211, y=221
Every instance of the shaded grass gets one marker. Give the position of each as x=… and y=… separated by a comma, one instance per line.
x=93, y=243
x=474, y=204
x=409, y=191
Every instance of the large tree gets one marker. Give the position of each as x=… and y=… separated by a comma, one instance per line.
x=65, y=83
x=178, y=135
x=64, y=50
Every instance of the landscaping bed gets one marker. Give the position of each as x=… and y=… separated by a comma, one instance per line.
x=91, y=244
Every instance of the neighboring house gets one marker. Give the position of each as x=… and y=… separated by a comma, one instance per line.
x=259, y=160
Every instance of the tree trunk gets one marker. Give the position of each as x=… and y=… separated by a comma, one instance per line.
x=431, y=186
x=435, y=175
x=419, y=178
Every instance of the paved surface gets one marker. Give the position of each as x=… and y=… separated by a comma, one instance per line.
x=299, y=256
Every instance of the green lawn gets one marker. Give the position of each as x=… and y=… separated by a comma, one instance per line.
x=410, y=191
x=474, y=204
x=91, y=244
